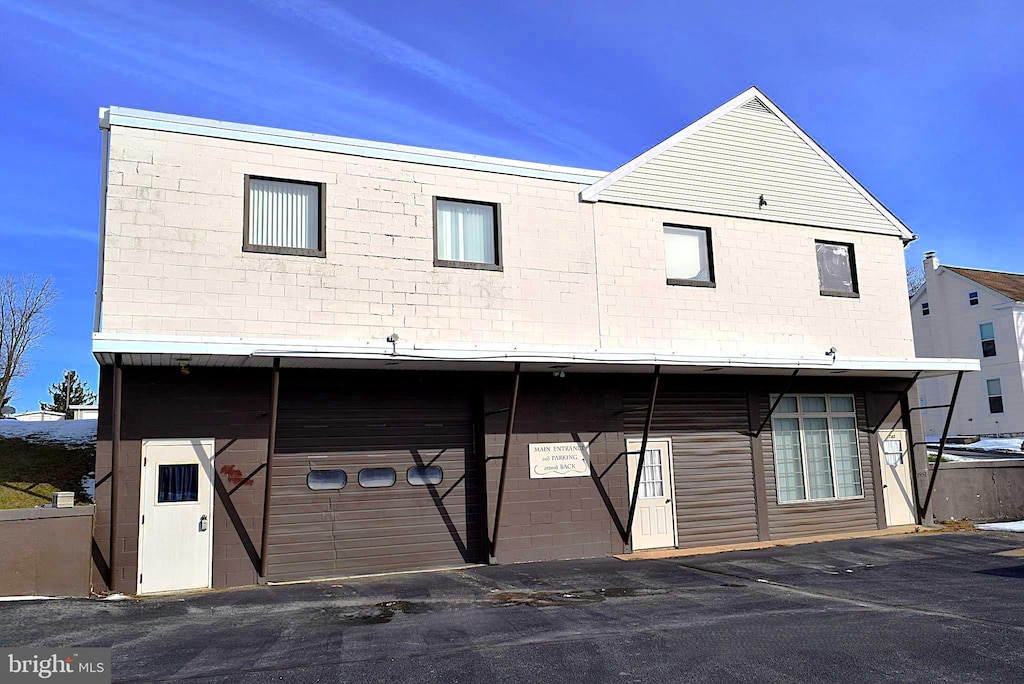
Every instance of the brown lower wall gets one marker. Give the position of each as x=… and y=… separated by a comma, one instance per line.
x=724, y=471
x=46, y=551
x=993, y=490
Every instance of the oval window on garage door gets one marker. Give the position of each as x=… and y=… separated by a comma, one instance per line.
x=376, y=477
x=424, y=475
x=326, y=479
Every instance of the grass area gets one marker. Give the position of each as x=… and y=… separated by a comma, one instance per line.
x=25, y=494
x=30, y=471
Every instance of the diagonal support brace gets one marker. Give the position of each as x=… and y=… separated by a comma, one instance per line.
x=942, y=446
x=775, y=404
x=643, y=452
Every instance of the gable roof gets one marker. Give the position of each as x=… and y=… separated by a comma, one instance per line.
x=745, y=149
x=1007, y=284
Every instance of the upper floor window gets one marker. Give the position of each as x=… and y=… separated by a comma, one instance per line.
x=467, y=234
x=688, y=256
x=817, y=454
x=837, y=269
x=988, y=339
x=924, y=309
x=284, y=217
x=995, y=395
x=972, y=298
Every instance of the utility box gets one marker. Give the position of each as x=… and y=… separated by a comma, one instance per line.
x=63, y=499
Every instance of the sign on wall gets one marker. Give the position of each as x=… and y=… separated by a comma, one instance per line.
x=559, y=459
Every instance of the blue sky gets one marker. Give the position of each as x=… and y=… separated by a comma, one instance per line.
x=921, y=101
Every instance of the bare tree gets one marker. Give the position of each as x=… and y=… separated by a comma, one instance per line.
x=24, y=303
x=915, y=279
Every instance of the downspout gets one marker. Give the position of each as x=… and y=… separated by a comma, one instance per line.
x=104, y=182
x=268, y=471
x=509, y=425
x=115, y=464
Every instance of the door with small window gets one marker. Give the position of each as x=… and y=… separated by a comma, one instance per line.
x=896, y=483
x=176, y=515
x=654, y=520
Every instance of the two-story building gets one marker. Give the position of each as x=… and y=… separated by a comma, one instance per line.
x=323, y=356
x=971, y=312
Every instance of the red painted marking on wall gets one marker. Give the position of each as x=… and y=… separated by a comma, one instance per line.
x=235, y=475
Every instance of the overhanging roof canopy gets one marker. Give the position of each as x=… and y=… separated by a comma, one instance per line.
x=242, y=353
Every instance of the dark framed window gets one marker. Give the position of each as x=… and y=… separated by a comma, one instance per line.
x=424, y=475
x=972, y=298
x=837, y=269
x=376, y=477
x=988, y=339
x=284, y=216
x=326, y=479
x=924, y=309
x=467, y=234
x=995, y=395
x=177, y=483
x=689, y=257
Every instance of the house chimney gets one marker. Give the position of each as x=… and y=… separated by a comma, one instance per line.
x=931, y=262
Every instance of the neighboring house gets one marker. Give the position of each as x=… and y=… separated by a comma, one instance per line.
x=970, y=312
x=31, y=416
x=85, y=411
x=323, y=356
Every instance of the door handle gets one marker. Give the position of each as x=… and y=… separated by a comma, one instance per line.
x=203, y=524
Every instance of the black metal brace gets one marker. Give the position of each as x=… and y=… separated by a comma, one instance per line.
x=504, y=459
x=775, y=405
x=942, y=446
x=643, y=453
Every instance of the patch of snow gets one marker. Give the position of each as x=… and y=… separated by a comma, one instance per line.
x=1017, y=526
x=71, y=432
x=1000, y=444
x=115, y=597
x=27, y=598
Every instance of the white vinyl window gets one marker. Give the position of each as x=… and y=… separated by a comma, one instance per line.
x=995, y=395
x=688, y=256
x=652, y=479
x=817, y=455
x=283, y=217
x=466, y=234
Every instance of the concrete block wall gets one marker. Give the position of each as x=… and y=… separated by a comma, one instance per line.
x=574, y=274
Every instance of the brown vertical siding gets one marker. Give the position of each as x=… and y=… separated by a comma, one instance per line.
x=352, y=421
x=802, y=519
x=711, y=457
x=229, y=405
x=571, y=517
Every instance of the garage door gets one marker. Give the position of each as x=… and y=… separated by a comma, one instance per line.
x=372, y=477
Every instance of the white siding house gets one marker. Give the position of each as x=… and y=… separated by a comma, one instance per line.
x=976, y=313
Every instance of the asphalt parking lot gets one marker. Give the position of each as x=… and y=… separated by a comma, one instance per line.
x=919, y=608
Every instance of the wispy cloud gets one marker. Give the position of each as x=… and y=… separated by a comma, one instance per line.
x=48, y=232
x=219, y=61
x=354, y=34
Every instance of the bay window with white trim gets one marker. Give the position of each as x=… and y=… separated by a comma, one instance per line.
x=817, y=454
x=283, y=217
x=467, y=234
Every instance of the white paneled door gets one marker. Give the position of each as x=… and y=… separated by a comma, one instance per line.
x=896, y=484
x=654, y=522
x=176, y=521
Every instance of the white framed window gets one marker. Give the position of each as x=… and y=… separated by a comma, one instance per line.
x=817, y=453
x=988, y=339
x=467, y=234
x=283, y=217
x=995, y=395
x=688, y=256
x=972, y=298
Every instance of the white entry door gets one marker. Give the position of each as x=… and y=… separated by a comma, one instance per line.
x=896, y=483
x=176, y=522
x=654, y=522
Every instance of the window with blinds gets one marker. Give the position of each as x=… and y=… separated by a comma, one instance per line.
x=283, y=217
x=466, y=234
x=817, y=455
